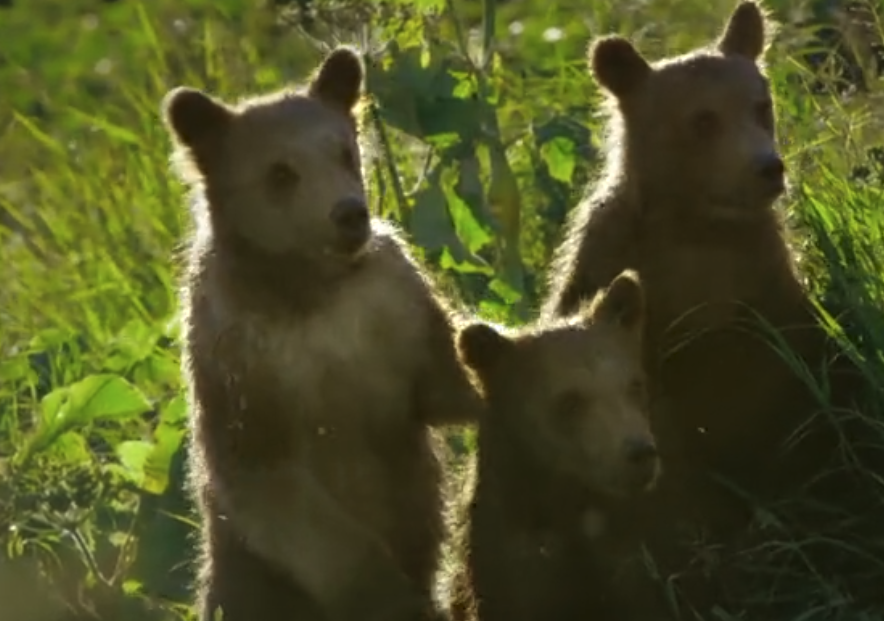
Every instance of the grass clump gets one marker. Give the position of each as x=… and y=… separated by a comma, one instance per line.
x=483, y=134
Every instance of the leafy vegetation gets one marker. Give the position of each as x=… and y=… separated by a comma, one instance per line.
x=482, y=136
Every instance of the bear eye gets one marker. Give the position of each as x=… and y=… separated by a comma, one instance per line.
x=283, y=175
x=568, y=407
x=705, y=122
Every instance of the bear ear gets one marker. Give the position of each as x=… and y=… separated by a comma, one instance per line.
x=481, y=346
x=339, y=79
x=617, y=66
x=193, y=116
x=623, y=302
x=745, y=33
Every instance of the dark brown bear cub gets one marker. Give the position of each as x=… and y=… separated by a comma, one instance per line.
x=317, y=357
x=687, y=198
x=565, y=439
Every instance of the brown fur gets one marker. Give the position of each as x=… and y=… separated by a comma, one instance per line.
x=685, y=201
x=565, y=439
x=317, y=356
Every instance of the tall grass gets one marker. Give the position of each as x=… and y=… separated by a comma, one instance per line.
x=483, y=134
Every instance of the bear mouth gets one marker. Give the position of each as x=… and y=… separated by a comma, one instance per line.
x=641, y=480
x=774, y=187
x=350, y=242
x=627, y=485
x=352, y=223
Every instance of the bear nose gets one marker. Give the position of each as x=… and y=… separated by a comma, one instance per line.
x=771, y=167
x=640, y=451
x=350, y=214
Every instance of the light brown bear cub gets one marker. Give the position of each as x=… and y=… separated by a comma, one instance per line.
x=317, y=357
x=565, y=440
x=691, y=177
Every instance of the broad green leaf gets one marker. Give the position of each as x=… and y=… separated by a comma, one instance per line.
x=138, y=339
x=93, y=398
x=49, y=338
x=52, y=403
x=427, y=5
x=103, y=396
x=14, y=369
x=474, y=266
x=159, y=369
x=172, y=328
x=505, y=291
x=132, y=587
x=133, y=455
x=175, y=411
x=429, y=106
x=559, y=153
x=447, y=114
x=476, y=225
x=156, y=467
x=495, y=311
x=431, y=226
x=469, y=230
x=71, y=448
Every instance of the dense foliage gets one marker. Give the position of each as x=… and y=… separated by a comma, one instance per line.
x=482, y=135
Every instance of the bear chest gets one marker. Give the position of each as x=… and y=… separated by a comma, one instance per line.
x=698, y=288
x=356, y=356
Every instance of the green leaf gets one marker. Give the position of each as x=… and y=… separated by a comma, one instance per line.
x=427, y=5
x=430, y=225
x=469, y=230
x=104, y=396
x=175, y=411
x=474, y=266
x=430, y=106
x=133, y=455
x=158, y=463
x=14, y=369
x=52, y=403
x=138, y=338
x=448, y=114
x=560, y=156
x=93, y=398
x=50, y=338
x=71, y=448
x=507, y=293
x=495, y=311
x=132, y=587
x=159, y=369
x=472, y=217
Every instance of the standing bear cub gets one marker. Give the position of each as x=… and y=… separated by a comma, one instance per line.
x=317, y=357
x=686, y=199
x=564, y=441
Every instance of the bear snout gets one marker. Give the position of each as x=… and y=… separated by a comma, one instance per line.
x=640, y=450
x=772, y=171
x=351, y=218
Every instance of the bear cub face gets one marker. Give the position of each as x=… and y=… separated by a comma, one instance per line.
x=572, y=396
x=709, y=111
x=281, y=173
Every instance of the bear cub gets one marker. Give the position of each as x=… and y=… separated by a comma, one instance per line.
x=318, y=358
x=687, y=199
x=565, y=440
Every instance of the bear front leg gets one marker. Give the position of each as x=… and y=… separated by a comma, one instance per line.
x=444, y=393
x=515, y=581
x=601, y=241
x=285, y=516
